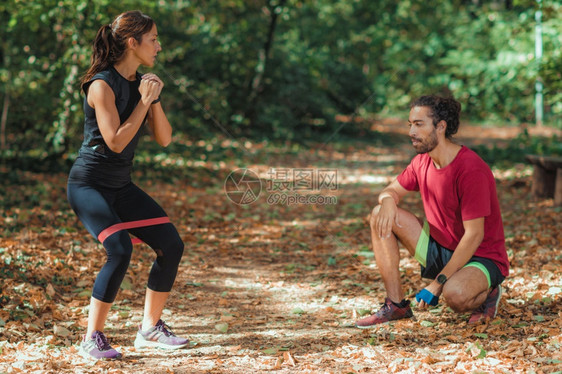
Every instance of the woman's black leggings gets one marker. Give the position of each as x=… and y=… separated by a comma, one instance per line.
x=100, y=208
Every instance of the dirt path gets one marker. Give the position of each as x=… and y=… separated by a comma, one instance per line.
x=267, y=287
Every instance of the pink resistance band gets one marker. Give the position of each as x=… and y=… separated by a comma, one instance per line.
x=131, y=225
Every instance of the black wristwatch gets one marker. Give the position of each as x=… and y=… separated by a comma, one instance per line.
x=441, y=279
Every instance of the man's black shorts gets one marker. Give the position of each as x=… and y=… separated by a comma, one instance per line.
x=433, y=257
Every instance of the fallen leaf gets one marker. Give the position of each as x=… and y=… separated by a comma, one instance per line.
x=50, y=290
x=278, y=363
x=427, y=323
x=126, y=284
x=270, y=351
x=234, y=349
x=61, y=331
x=222, y=327
x=289, y=358
x=298, y=311
x=227, y=317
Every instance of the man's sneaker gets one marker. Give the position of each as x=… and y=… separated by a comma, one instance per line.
x=97, y=347
x=489, y=307
x=388, y=312
x=159, y=336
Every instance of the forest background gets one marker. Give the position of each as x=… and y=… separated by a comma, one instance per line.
x=279, y=87
x=282, y=69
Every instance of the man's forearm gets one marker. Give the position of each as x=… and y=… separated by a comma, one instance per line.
x=466, y=248
x=386, y=193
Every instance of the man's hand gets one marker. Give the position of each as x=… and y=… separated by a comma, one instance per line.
x=385, y=218
x=436, y=289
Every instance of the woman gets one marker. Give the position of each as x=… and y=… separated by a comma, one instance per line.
x=117, y=102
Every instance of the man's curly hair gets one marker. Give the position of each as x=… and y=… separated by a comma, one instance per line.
x=446, y=109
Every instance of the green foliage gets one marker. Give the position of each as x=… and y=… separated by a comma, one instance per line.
x=491, y=70
x=551, y=64
x=281, y=69
x=519, y=147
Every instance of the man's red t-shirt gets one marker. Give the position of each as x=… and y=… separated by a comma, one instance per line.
x=463, y=190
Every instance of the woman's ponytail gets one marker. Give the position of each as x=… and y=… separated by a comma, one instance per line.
x=100, y=59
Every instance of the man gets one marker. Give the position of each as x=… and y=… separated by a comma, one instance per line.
x=461, y=246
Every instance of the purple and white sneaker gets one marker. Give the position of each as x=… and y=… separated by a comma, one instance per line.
x=159, y=336
x=97, y=347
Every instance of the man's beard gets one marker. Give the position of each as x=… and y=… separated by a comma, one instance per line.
x=427, y=145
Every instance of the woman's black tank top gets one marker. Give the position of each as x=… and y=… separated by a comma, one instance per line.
x=96, y=164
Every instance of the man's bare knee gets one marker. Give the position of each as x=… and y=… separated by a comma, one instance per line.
x=373, y=215
x=455, y=299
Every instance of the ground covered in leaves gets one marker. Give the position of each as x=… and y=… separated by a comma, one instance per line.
x=267, y=286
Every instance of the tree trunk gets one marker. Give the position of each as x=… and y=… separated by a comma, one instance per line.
x=558, y=187
x=264, y=55
x=4, y=119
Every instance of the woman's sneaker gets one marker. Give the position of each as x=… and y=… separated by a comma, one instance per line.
x=97, y=347
x=159, y=336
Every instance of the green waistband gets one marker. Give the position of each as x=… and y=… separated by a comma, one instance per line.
x=422, y=246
